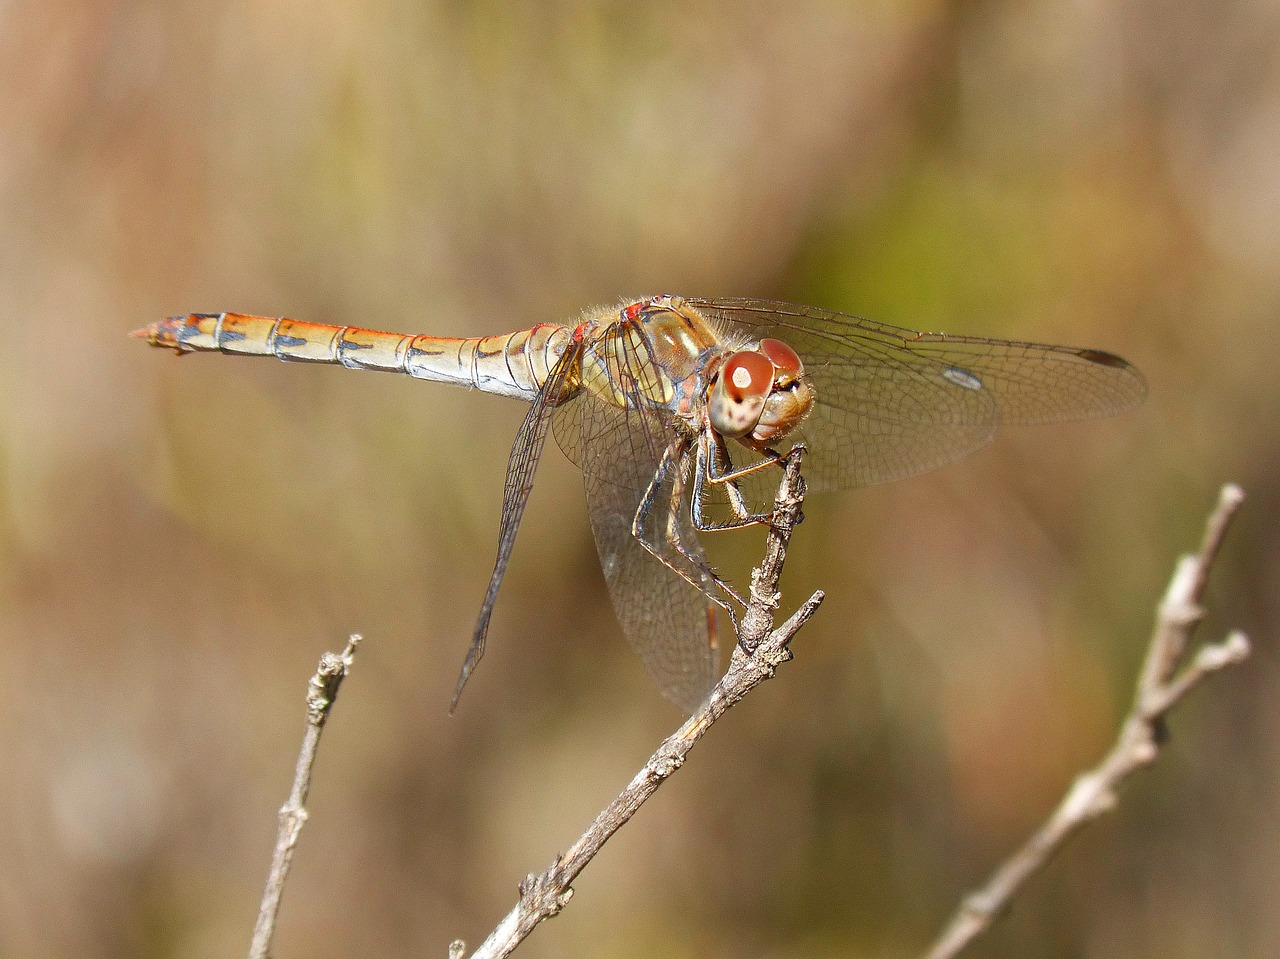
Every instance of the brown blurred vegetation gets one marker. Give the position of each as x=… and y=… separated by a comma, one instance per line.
x=179, y=540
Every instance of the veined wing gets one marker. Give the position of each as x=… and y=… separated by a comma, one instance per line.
x=892, y=402
x=521, y=467
x=668, y=621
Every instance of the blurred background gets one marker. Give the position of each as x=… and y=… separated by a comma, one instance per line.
x=180, y=540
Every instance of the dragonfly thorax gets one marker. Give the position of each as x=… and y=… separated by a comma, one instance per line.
x=754, y=393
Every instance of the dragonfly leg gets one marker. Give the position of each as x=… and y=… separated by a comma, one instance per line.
x=713, y=467
x=769, y=458
x=704, y=579
x=676, y=536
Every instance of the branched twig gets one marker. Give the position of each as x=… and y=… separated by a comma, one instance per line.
x=322, y=690
x=759, y=651
x=1160, y=687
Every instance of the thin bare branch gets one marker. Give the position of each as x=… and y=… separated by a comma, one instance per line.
x=760, y=650
x=322, y=691
x=1160, y=688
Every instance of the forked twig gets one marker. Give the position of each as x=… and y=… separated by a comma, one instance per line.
x=1161, y=686
x=322, y=690
x=759, y=651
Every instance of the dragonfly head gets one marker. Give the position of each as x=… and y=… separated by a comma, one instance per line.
x=760, y=395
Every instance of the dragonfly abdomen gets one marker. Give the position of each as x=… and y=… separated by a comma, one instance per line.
x=511, y=364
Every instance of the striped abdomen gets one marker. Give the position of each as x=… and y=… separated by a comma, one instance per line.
x=511, y=364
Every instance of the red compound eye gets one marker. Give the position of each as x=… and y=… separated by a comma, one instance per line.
x=782, y=356
x=737, y=399
x=747, y=374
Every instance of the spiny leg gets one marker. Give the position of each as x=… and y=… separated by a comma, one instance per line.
x=709, y=470
x=672, y=459
x=675, y=534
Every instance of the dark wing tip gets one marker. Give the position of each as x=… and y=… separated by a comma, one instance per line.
x=1103, y=358
x=1135, y=384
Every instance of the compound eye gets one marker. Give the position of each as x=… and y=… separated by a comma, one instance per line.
x=746, y=374
x=737, y=398
x=783, y=357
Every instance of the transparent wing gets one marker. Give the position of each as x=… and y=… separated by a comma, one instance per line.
x=521, y=467
x=627, y=451
x=892, y=402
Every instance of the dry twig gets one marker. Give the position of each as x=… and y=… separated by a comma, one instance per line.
x=759, y=651
x=1160, y=687
x=322, y=690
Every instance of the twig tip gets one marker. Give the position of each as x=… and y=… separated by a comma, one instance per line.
x=1231, y=497
x=1234, y=649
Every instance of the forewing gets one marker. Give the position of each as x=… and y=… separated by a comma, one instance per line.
x=892, y=402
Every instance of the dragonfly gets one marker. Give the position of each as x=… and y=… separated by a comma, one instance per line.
x=675, y=409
